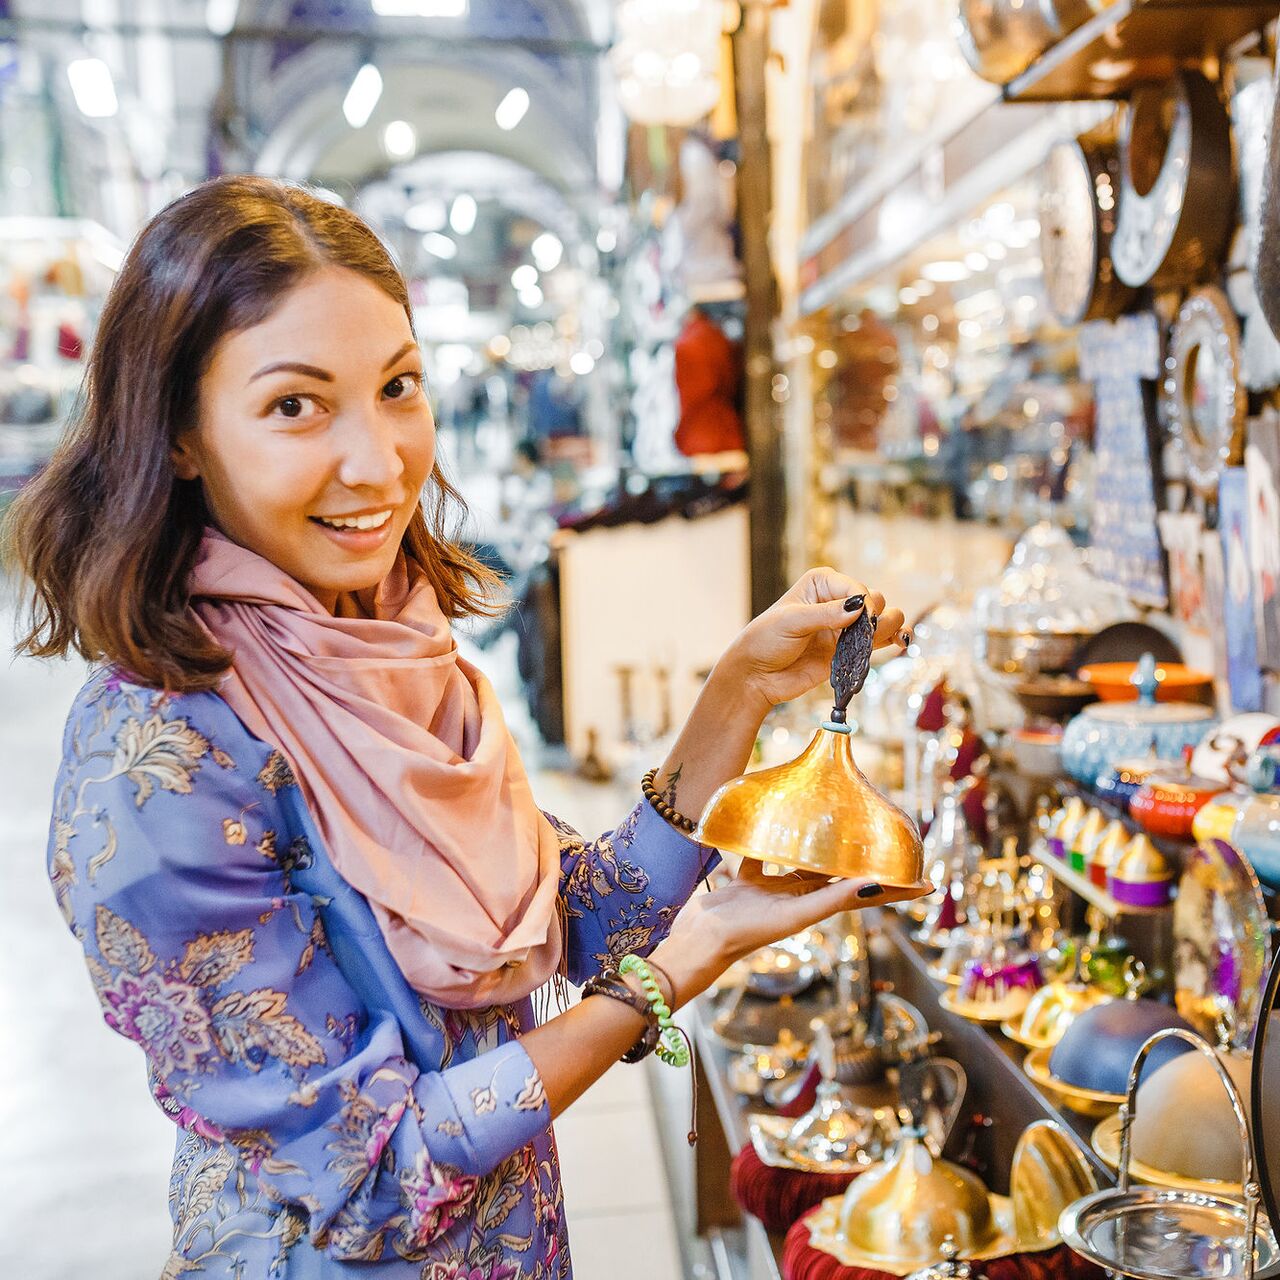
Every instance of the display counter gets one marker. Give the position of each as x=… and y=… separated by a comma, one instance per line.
x=1000, y=1103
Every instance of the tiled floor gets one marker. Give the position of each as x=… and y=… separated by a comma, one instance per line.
x=84, y=1154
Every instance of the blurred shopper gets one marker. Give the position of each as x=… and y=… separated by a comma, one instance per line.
x=291, y=830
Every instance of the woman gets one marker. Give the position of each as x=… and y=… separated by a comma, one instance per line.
x=291, y=830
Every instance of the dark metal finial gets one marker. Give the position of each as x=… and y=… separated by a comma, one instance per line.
x=852, y=662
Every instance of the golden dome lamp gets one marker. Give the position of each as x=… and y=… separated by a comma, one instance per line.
x=819, y=813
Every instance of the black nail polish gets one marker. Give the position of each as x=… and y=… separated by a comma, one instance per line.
x=905, y=637
x=853, y=603
x=870, y=891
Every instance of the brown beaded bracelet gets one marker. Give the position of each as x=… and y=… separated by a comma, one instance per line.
x=665, y=811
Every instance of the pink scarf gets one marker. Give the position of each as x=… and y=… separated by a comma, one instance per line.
x=406, y=762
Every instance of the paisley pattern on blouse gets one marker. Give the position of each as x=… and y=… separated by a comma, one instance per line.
x=327, y=1117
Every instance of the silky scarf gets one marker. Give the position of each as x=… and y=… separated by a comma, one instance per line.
x=407, y=764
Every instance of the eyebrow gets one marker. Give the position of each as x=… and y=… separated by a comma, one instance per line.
x=314, y=371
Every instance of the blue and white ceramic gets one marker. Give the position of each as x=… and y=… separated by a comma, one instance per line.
x=1257, y=829
x=1109, y=731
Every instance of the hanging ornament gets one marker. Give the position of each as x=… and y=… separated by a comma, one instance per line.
x=667, y=59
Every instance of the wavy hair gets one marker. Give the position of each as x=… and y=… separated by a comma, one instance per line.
x=107, y=534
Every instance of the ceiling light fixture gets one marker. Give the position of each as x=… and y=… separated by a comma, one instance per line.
x=511, y=110
x=362, y=96
x=93, y=88
x=524, y=277
x=399, y=140
x=439, y=246
x=945, y=272
x=421, y=8
x=426, y=215
x=547, y=251
x=462, y=214
x=220, y=16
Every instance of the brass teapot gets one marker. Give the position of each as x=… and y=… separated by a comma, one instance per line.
x=819, y=813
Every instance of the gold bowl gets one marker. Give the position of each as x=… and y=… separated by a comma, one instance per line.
x=1049, y=1172
x=817, y=813
x=1050, y=1012
x=1085, y=1102
x=1106, y=1144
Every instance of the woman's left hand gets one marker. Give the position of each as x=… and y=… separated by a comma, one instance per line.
x=787, y=650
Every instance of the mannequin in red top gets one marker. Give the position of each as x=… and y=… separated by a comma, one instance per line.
x=708, y=369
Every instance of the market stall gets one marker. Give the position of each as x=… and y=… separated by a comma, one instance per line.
x=1026, y=350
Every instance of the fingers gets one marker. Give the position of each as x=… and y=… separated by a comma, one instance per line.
x=891, y=628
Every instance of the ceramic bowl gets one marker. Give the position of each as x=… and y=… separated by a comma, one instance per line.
x=1109, y=731
x=1050, y=1012
x=1099, y=1047
x=1123, y=780
x=1113, y=682
x=1166, y=804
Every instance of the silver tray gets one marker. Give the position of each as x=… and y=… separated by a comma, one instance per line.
x=769, y=1137
x=1149, y=1233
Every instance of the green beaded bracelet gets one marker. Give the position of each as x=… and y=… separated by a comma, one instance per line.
x=672, y=1047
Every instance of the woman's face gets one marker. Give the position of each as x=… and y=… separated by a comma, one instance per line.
x=314, y=436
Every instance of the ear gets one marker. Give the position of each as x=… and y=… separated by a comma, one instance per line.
x=183, y=459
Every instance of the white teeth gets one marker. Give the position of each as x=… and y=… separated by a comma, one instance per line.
x=375, y=521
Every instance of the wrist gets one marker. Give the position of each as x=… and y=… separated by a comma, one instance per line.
x=733, y=684
x=691, y=966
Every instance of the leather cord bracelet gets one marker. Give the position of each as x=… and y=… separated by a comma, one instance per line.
x=611, y=983
x=673, y=816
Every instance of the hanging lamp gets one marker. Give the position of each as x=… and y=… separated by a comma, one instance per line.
x=819, y=813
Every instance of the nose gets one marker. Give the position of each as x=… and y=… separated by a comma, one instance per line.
x=370, y=457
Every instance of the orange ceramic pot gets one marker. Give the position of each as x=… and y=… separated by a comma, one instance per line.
x=1167, y=806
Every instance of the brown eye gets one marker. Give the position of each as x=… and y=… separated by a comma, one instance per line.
x=401, y=387
x=291, y=406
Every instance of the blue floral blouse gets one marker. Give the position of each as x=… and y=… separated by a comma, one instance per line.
x=327, y=1116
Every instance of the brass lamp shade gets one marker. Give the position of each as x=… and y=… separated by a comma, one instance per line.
x=817, y=813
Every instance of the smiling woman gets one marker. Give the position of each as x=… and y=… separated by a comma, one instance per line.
x=291, y=830
x=208, y=377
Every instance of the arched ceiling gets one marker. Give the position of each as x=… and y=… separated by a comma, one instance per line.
x=445, y=77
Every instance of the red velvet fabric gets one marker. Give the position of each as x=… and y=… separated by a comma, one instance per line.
x=779, y=1196
x=800, y=1261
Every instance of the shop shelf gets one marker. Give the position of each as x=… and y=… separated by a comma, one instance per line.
x=1090, y=892
x=1133, y=41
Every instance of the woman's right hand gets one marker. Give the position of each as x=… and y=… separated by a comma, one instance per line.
x=751, y=910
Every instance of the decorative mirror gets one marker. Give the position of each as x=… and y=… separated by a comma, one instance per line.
x=1176, y=209
x=1078, y=213
x=1203, y=398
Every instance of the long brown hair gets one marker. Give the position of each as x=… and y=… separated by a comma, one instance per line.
x=107, y=533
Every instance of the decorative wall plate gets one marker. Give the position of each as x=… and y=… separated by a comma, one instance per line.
x=1078, y=214
x=1222, y=941
x=1203, y=400
x=1176, y=198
